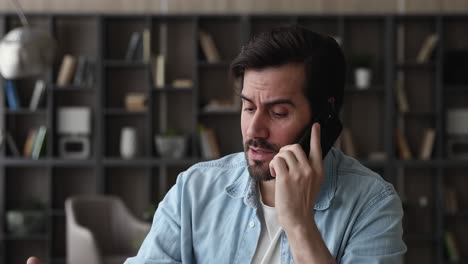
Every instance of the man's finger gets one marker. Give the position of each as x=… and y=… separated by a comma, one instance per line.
x=315, y=147
x=278, y=167
x=33, y=260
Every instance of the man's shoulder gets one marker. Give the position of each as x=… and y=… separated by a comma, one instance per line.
x=215, y=174
x=353, y=174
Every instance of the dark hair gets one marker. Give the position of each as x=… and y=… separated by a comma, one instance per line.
x=323, y=60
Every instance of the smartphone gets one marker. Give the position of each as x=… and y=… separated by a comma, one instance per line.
x=330, y=130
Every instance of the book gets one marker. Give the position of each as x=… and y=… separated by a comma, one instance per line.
x=427, y=145
x=38, y=94
x=133, y=46
x=208, y=143
x=12, y=95
x=12, y=145
x=159, y=71
x=146, y=45
x=67, y=70
x=28, y=144
x=401, y=98
x=38, y=144
x=402, y=146
x=89, y=75
x=208, y=47
x=427, y=48
x=80, y=71
x=451, y=247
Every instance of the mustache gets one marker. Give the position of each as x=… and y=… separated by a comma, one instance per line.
x=261, y=143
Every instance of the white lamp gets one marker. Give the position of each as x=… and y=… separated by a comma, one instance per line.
x=25, y=51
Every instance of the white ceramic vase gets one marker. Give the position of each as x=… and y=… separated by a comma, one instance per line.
x=362, y=78
x=128, y=143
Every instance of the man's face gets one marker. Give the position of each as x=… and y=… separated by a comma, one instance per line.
x=274, y=114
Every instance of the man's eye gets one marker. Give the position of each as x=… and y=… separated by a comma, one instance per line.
x=248, y=109
x=279, y=115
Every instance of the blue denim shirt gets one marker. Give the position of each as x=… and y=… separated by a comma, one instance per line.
x=210, y=216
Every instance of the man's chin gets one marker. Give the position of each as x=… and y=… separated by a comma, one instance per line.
x=259, y=170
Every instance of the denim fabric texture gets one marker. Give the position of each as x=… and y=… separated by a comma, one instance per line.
x=210, y=216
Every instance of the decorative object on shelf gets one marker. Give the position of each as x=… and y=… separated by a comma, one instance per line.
x=29, y=219
x=423, y=201
x=453, y=252
x=171, y=145
x=457, y=133
x=74, y=129
x=362, y=71
x=25, y=51
x=135, y=102
x=128, y=142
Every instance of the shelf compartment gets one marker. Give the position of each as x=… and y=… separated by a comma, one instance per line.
x=123, y=181
x=70, y=181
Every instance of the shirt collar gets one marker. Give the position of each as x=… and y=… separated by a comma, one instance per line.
x=245, y=186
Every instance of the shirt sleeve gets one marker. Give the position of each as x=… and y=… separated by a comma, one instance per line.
x=377, y=234
x=163, y=243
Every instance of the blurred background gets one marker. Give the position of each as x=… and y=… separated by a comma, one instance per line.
x=137, y=91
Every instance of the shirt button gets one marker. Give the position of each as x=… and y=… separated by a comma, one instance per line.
x=251, y=224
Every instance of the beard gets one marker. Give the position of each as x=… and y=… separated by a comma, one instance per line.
x=259, y=170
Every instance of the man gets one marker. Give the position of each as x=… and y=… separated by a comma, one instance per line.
x=275, y=203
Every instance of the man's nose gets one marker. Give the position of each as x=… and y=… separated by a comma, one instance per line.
x=258, y=127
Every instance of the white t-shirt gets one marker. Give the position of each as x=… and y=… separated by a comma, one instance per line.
x=268, y=247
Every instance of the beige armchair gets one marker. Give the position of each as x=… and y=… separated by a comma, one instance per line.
x=101, y=230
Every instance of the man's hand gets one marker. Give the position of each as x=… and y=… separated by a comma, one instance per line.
x=33, y=260
x=298, y=181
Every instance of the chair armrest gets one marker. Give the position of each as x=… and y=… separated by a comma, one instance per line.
x=81, y=246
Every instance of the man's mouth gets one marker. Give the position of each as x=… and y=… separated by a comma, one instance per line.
x=260, y=154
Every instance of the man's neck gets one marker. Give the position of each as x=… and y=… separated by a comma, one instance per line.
x=267, y=190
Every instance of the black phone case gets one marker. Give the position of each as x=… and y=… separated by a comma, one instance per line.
x=330, y=130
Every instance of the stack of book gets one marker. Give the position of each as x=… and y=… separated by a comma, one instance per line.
x=34, y=144
x=135, y=102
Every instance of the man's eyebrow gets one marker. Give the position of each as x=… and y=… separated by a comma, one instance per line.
x=272, y=102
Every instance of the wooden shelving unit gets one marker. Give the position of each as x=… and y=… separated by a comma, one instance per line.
x=370, y=114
